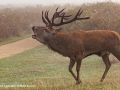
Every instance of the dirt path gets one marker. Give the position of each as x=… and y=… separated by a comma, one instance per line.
x=17, y=47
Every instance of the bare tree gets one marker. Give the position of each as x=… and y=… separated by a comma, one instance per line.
x=78, y=44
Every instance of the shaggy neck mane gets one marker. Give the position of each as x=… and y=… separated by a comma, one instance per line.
x=58, y=42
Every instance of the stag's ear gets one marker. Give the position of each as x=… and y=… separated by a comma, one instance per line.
x=56, y=30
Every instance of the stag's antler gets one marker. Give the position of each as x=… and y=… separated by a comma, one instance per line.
x=55, y=15
x=60, y=14
x=51, y=23
x=73, y=19
x=44, y=19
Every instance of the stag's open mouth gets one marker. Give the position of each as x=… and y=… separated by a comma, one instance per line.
x=34, y=36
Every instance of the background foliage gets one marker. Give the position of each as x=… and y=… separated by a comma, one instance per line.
x=14, y=21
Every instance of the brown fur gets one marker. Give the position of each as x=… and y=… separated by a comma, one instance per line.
x=85, y=42
x=80, y=44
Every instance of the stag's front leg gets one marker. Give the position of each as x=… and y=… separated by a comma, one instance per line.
x=72, y=63
x=78, y=61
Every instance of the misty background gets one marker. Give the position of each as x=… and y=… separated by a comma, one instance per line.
x=51, y=2
x=18, y=16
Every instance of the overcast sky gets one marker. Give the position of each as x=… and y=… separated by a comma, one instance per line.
x=50, y=2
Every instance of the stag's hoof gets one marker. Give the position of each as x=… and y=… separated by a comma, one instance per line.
x=78, y=82
x=101, y=80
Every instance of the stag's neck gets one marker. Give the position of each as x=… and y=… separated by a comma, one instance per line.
x=59, y=43
x=57, y=40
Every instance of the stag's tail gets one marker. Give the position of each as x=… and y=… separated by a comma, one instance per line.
x=116, y=47
x=116, y=51
x=117, y=34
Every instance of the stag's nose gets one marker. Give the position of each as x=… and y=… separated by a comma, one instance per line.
x=33, y=27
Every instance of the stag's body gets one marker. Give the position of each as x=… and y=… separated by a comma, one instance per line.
x=78, y=44
x=83, y=42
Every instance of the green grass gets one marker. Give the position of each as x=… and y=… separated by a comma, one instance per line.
x=14, y=39
x=48, y=70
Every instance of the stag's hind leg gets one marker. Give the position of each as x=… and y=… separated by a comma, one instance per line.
x=78, y=65
x=116, y=52
x=105, y=58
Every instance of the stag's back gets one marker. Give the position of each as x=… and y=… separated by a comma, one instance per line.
x=97, y=39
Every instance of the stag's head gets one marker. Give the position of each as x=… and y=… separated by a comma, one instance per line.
x=41, y=32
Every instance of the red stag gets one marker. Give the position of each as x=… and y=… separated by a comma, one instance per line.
x=77, y=44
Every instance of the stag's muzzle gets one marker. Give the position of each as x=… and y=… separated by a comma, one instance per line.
x=34, y=36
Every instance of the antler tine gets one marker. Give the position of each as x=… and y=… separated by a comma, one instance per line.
x=50, y=23
x=65, y=16
x=62, y=17
x=53, y=18
x=57, y=9
x=57, y=14
x=68, y=16
x=78, y=13
x=60, y=11
x=73, y=19
x=81, y=11
x=44, y=19
x=60, y=14
x=47, y=18
x=61, y=23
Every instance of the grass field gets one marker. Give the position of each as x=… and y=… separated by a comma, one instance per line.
x=43, y=69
